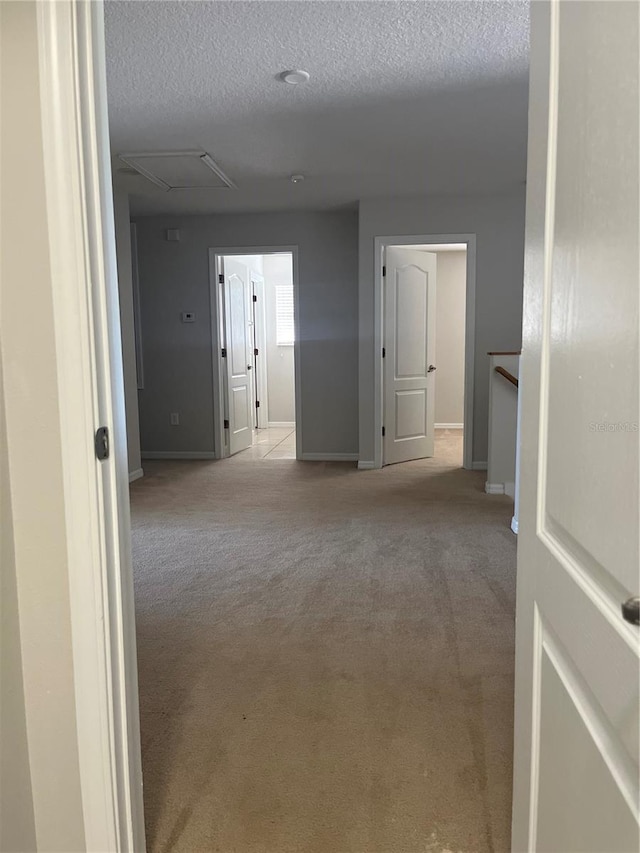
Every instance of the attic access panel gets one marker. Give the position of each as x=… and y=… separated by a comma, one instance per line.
x=179, y=170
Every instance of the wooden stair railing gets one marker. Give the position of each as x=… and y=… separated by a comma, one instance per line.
x=509, y=376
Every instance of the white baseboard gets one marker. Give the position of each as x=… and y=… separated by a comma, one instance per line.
x=508, y=489
x=178, y=454
x=366, y=465
x=494, y=488
x=448, y=426
x=329, y=457
x=135, y=475
x=514, y=525
x=282, y=424
x=478, y=466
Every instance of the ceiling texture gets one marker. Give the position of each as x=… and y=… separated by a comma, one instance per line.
x=404, y=98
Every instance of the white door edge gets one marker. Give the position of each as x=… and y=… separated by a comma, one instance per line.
x=261, y=367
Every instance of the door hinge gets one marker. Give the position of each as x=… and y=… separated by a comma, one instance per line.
x=383, y=432
x=102, y=443
x=221, y=279
x=257, y=404
x=223, y=352
x=255, y=352
x=384, y=270
x=384, y=352
x=226, y=423
x=255, y=298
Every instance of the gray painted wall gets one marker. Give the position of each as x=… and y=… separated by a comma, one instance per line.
x=451, y=285
x=174, y=277
x=125, y=291
x=498, y=223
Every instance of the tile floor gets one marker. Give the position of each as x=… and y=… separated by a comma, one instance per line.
x=280, y=443
x=272, y=443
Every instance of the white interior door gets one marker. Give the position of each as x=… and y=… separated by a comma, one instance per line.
x=239, y=357
x=577, y=661
x=409, y=354
x=260, y=349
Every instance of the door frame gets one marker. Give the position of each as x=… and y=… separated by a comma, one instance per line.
x=380, y=245
x=220, y=441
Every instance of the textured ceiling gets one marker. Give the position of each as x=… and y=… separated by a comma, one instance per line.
x=404, y=97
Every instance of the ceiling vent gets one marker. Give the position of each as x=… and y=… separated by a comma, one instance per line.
x=179, y=170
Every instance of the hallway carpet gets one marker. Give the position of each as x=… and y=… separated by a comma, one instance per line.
x=326, y=656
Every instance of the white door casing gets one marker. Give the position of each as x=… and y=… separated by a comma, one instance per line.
x=577, y=660
x=409, y=340
x=239, y=357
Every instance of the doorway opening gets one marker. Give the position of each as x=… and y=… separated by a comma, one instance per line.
x=255, y=352
x=424, y=332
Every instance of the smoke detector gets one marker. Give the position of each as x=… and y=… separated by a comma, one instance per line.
x=294, y=77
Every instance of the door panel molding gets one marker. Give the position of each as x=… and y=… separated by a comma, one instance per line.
x=416, y=392
x=609, y=745
x=420, y=327
x=588, y=574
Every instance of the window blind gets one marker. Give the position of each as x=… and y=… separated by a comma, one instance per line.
x=285, y=332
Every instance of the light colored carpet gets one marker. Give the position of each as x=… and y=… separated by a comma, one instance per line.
x=326, y=656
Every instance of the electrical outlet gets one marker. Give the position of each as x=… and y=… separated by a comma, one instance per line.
x=175, y=418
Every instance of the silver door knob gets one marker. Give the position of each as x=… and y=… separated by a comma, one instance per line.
x=431, y=368
x=631, y=610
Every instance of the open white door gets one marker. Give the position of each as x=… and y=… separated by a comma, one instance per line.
x=409, y=354
x=577, y=661
x=238, y=354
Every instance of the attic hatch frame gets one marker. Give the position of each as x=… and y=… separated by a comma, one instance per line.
x=132, y=158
